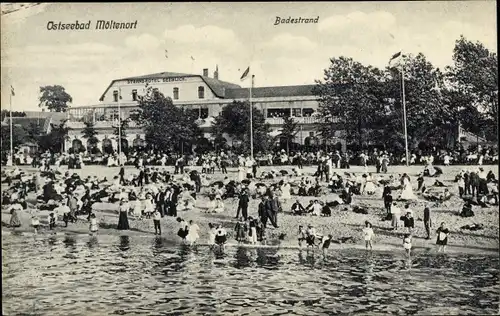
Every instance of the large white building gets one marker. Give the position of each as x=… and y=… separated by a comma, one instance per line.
x=201, y=93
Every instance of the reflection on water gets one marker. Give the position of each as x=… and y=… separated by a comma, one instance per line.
x=81, y=275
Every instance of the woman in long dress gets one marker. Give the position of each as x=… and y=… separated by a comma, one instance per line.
x=241, y=173
x=285, y=191
x=407, y=192
x=123, y=219
x=369, y=186
x=14, y=219
x=193, y=234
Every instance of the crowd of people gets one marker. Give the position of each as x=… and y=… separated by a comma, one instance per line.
x=153, y=193
x=460, y=156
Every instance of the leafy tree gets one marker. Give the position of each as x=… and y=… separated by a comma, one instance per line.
x=89, y=132
x=55, y=98
x=54, y=141
x=426, y=113
x=289, y=131
x=475, y=76
x=122, y=131
x=167, y=127
x=234, y=120
x=349, y=91
x=34, y=131
x=19, y=136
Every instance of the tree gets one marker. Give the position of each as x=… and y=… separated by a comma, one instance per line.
x=427, y=117
x=475, y=75
x=19, y=136
x=167, y=127
x=288, y=131
x=234, y=120
x=121, y=133
x=54, y=141
x=349, y=91
x=33, y=131
x=89, y=132
x=54, y=98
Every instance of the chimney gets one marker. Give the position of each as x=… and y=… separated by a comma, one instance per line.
x=205, y=72
x=216, y=72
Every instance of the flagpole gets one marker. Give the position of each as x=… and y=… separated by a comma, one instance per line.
x=11, y=145
x=404, y=112
x=251, y=120
x=119, y=126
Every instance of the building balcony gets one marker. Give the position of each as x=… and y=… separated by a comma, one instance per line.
x=300, y=120
x=99, y=124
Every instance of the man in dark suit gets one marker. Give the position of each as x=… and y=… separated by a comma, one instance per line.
x=122, y=175
x=160, y=202
x=263, y=212
x=273, y=207
x=140, y=179
x=243, y=204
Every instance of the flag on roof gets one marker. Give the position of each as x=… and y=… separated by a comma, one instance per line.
x=245, y=74
x=12, y=90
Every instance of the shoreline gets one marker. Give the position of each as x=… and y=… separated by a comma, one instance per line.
x=334, y=246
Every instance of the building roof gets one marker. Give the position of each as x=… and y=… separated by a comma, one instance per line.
x=218, y=87
x=269, y=92
x=25, y=122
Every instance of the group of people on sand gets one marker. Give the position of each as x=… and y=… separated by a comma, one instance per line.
x=155, y=194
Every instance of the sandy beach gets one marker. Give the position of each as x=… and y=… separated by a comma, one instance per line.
x=342, y=225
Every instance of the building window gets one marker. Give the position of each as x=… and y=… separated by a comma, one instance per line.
x=201, y=92
x=278, y=113
x=134, y=95
x=115, y=95
x=307, y=112
x=176, y=93
x=297, y=112
x=204, y=113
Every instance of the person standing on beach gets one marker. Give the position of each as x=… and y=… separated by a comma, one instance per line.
x=123, y=216
x=427, y=222
x=156, y=221
x=407, y=243
x=442, y=238
x=395, y=213
x=122, y=175
x=368, y=233
x=243, y=204
x=35, y=223
x=388, y=200
x=93, y=227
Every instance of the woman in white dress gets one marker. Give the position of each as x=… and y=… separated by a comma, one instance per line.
x=193, y=234
x=407, y=192
x=285, y=191
x=241, y=173
x=369, y=186
x=138, y=207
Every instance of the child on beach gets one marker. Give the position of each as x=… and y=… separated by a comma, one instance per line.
x=442, y=238
x=93, y=224
x=156, y=221
x=240, y=229
x=35, y=223
x=407, y=243
x=325, y=241
x=220, y=237
x=252, y=231
x=52, y=221
x=183, y=228
x=211, y=234
x=368, y=233
x=302, y=235
x=193, y=234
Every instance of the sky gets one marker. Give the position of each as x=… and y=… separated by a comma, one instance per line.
x=230, y=35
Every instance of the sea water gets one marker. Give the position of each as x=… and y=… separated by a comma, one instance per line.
x=122, y=275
